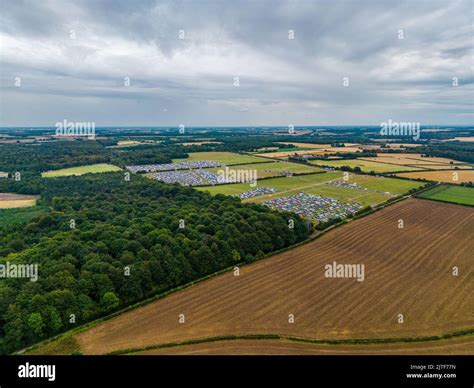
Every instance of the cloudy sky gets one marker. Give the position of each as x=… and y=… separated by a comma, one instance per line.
x=226, y=63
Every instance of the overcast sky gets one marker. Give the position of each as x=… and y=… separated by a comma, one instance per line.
x=73, y=59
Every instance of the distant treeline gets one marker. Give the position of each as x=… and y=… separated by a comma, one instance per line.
x=39, y=157
x=463, y=151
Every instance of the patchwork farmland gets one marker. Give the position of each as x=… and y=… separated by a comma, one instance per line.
x=408, y=271
x=372, y=190
x=81, y=170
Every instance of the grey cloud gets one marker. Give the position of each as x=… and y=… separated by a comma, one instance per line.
x=280, y=79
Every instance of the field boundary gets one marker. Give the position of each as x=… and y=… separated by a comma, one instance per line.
x=314, y=341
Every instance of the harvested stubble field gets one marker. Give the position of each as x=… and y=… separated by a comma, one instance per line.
x=12, y=201
x=448, y=176
x=407, y=271
x=437, y=166
x=327, y=150
x=410, y=159
x=456, y=346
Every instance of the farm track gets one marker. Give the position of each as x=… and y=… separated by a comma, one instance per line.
x=407, y=271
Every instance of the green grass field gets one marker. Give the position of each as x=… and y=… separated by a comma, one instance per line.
x=283, y=184
x=81, y=170
x=9, y=217
x=454, y=194
x=222, y=157
x=366, y=198
x=384, y=184
x=270, y=169
x=379, y=189
x=364, y=165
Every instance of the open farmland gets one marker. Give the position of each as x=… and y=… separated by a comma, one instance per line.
x=407, y=159
x=286, y=154
x=364, y=165
x=404, y=145
x=373, y=190
x=453, y=194
x=384, y=184
x=12, y=201
x=221, y=157
x=327, y=149
x=271, y=169
x=449, y=176
x=438, y=166
x=407, y=271
x=467, y=139
x=283, y=184
x=362, y=197
x=464, y=345
x=81, y=170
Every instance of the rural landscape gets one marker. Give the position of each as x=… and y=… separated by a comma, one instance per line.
x=192, y=189
x=220, y=244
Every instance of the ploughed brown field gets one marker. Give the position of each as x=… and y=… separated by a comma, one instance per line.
x=407, y=271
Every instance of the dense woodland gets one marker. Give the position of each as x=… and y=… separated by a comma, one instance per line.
x=121, y=224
